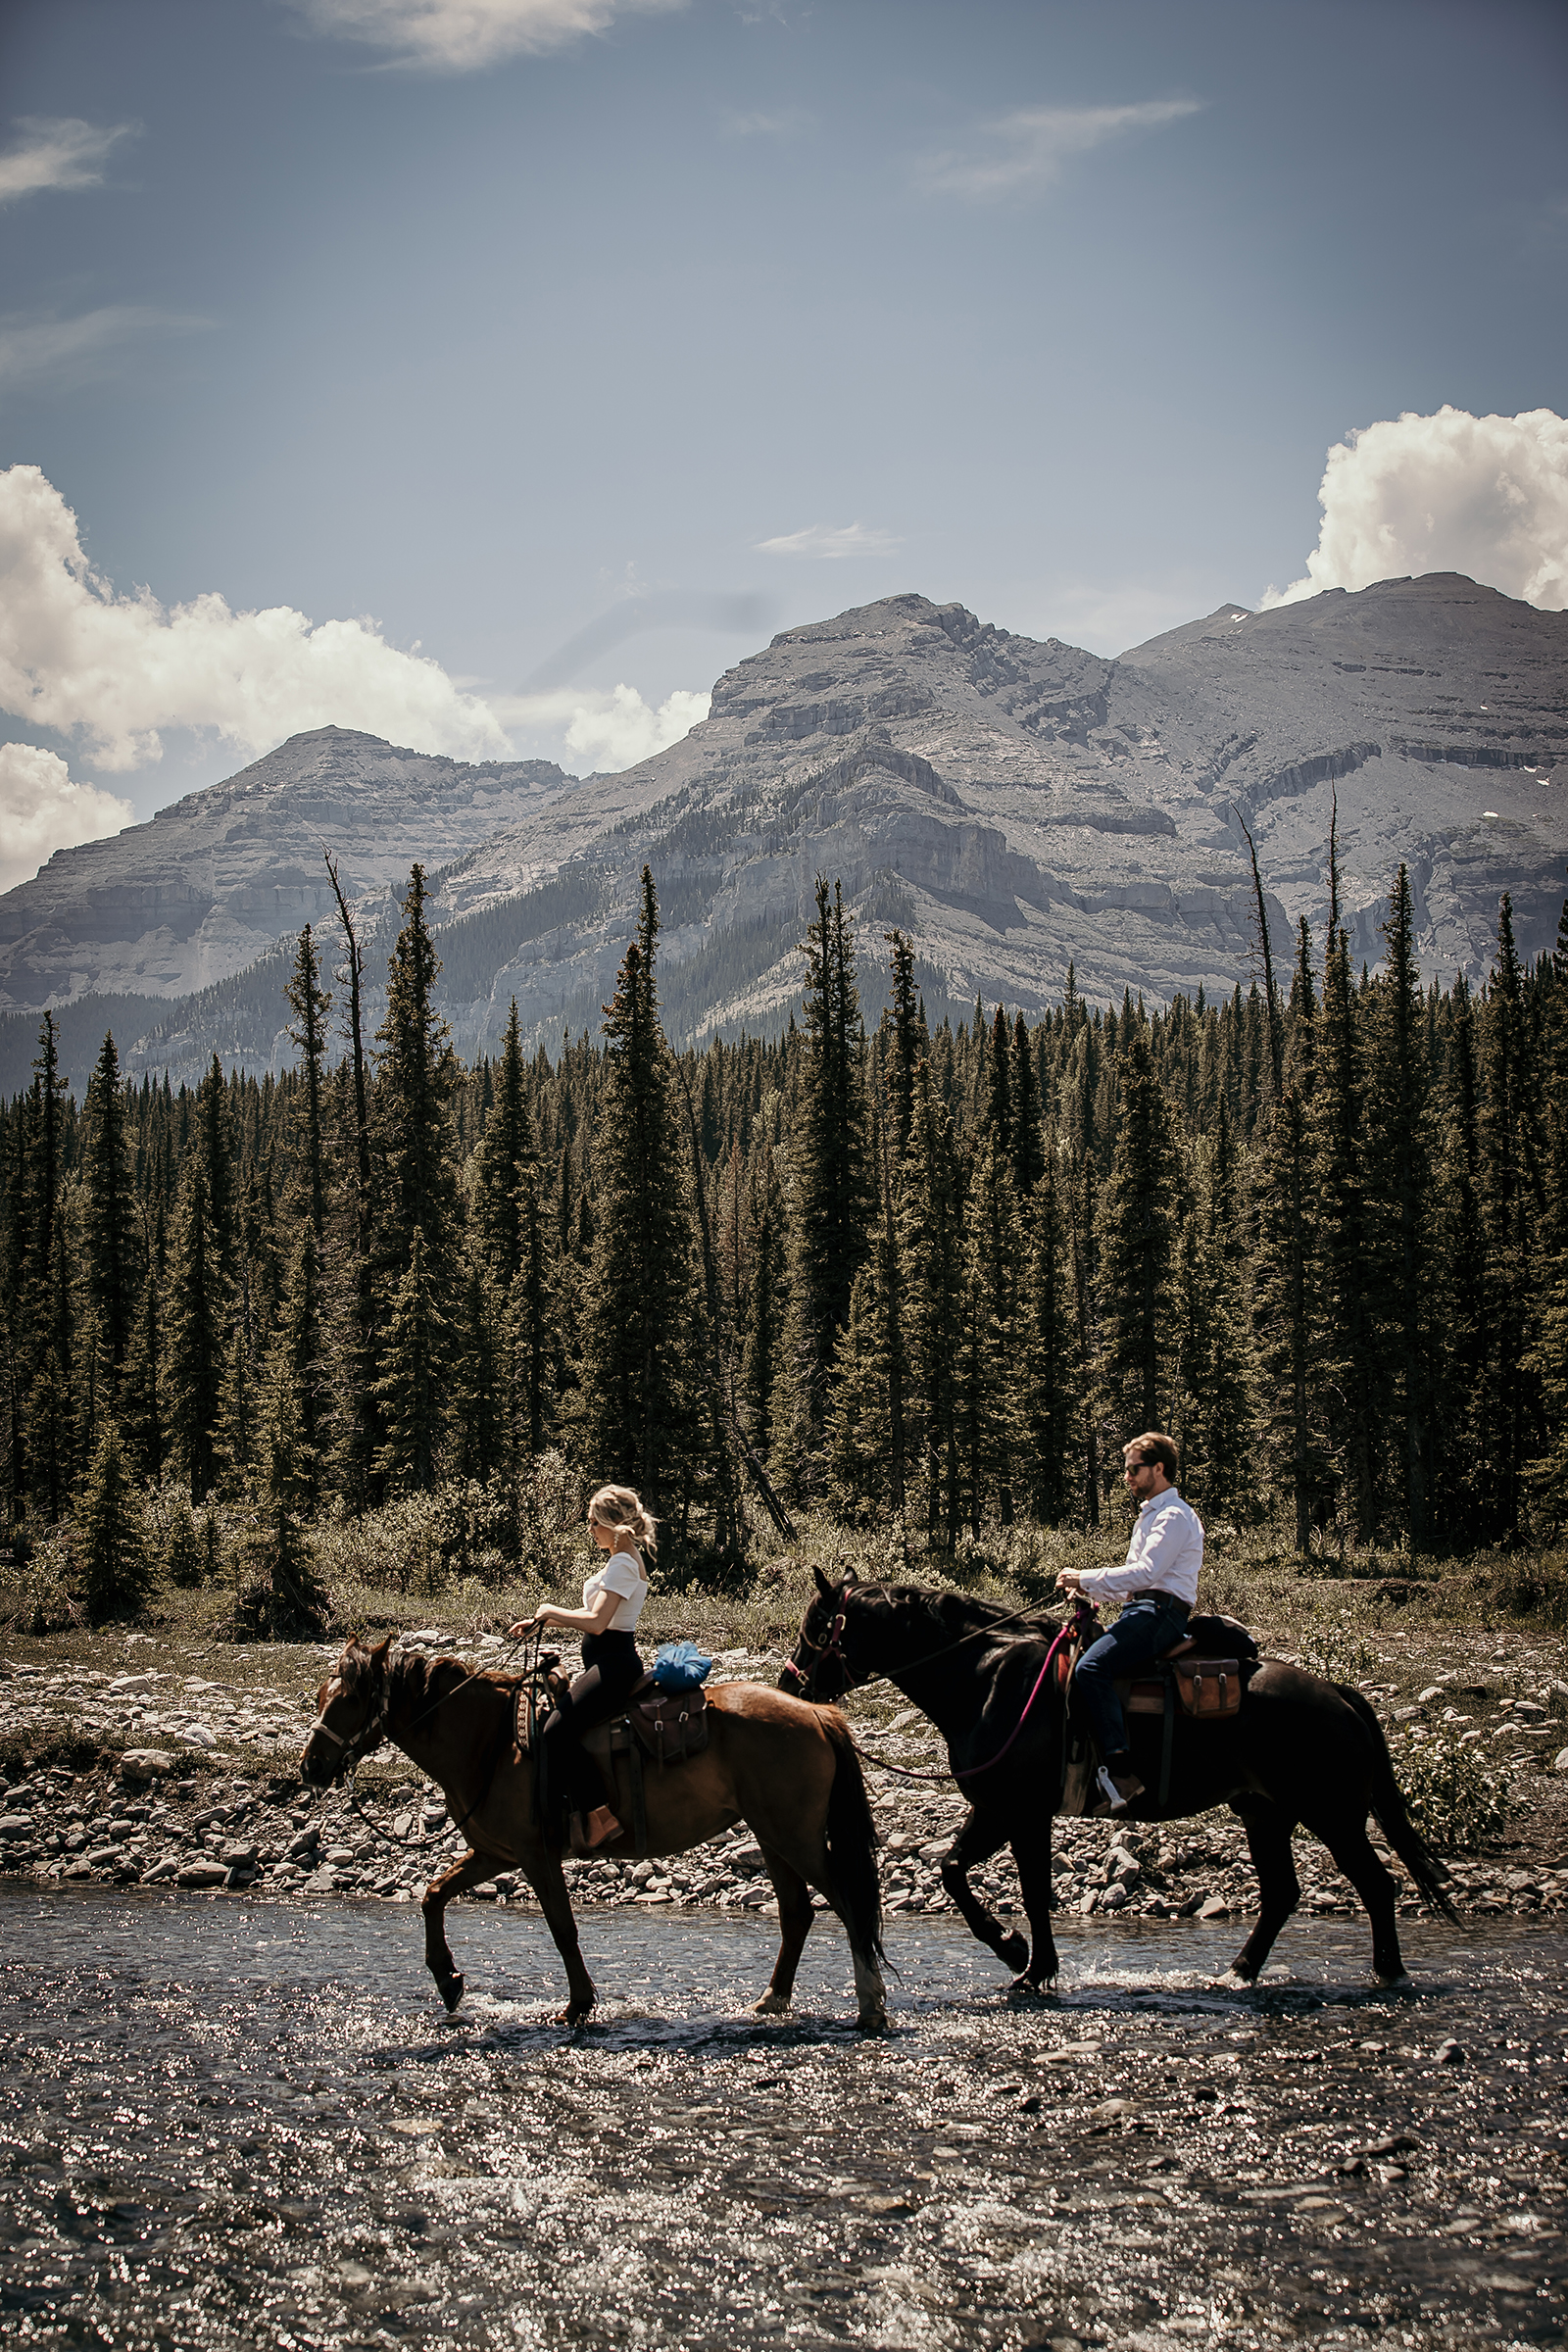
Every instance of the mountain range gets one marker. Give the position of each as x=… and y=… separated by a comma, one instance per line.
x=1014, y=806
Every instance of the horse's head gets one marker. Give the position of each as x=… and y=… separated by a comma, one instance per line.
x=350, y=1714
x=824, y=1666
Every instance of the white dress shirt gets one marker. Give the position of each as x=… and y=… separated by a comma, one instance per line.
x=1165, y=1554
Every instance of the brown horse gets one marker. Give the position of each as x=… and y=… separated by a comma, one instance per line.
x=784, y=1766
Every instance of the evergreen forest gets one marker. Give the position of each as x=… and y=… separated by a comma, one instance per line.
x=920, y=1280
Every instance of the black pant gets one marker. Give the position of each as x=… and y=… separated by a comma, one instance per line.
x=611, y=1668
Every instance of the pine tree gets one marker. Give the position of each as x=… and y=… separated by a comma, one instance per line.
x=1348, y=1359
x=476, y=1402
x=411, y=1389
x=1137, y=1245
x=637, y=1414
x=931, y=1252
x=194, y=1351
x=1049, y=1358
x=762, y=1349
x=299, y=1359
x=909, y=1041
x=110, y=1553
x=1510, y=1208
x=1398, y=1150
x=311, y=1003
x=833, y=1193
x=987, y=1371
x=1028, y=1143
x=112, y=1227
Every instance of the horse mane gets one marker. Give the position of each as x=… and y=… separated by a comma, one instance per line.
x=966, y=1610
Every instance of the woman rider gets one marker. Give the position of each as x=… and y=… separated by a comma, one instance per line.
x=613, y=1600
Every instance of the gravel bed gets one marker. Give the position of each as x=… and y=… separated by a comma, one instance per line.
x=137, y=1771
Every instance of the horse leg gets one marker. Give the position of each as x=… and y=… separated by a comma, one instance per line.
x=469, y=1872
x=1354, y=1853
x=1268, y=1839
x=549, y=1882
x=977, y=1841
x=794, y=1926
x=1031, y=1851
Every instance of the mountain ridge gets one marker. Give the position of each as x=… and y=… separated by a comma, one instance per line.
x=1016, y=804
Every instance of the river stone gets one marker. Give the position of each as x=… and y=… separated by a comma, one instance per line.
x=145, y=1764
x=1217, y=1907
x=202, y=1874
x=16, y=1825
x=1560, y=1762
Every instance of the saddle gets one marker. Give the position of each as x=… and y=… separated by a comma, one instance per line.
x=669, y=1726
x=1209, y=1669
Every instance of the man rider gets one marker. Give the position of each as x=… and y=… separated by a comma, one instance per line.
x=1157, y=1587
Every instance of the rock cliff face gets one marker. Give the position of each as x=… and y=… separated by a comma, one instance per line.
x=200, y=892
x=1014, y=806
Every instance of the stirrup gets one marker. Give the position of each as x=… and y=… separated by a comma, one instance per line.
x=1115, y=1796
x=590, y=1831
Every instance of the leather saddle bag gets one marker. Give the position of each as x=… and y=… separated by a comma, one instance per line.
x=1207, y=1689
x=669, y=1726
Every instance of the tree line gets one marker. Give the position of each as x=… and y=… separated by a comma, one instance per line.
x=1317, y=1229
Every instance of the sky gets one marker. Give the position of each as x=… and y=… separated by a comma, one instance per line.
x=494, y=374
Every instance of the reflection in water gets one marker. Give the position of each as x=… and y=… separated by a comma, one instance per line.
x=228, y=2122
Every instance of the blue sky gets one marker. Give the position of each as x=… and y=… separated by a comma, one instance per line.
x=1052, y=309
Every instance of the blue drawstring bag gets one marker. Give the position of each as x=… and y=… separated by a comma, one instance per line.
x=681, y=1666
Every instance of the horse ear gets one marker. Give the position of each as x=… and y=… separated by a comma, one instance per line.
x=822, y=1585
x=378, y=1653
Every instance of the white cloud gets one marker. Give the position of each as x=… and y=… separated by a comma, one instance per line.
x=605, y=731
x=79, y=657
x=54, y=349
x=41, y=810
x=58, y=154
x=459, y=36
x=1482, y=495
x=827, y=540
x=1028, y=148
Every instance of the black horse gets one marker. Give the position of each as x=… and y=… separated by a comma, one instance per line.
x=1301, y=1749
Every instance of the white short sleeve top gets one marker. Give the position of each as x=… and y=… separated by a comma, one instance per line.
x=621, y=1573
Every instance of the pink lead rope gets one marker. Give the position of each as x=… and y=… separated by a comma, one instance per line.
x=970, y=1771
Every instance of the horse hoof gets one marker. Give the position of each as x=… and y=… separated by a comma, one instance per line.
x=1013, y=1953
x=872, y=2021
x=574, y=2013
x=1399, y=1983
x=773, y=2004
x=450, y=1992
x=1236, y=1980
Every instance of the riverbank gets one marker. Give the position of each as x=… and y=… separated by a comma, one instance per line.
x=159, y=1758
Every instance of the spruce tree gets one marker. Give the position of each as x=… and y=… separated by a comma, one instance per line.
x=194, y=1337
x=931, y=1253
x=1510, y=1209
x=416, y=1081
x=1028, y=1145
x=1137, y=1245
x=988, y=1414
x=1347, y=1355
x=113, y=1225
x=833, y=1191
x=909, y=1041
x=111, y=1553
x=637, y=1415
x=311, y=1003
x=1049, y=1358
x=1398, y=1148
x=411, y=1389
x=763, y=1346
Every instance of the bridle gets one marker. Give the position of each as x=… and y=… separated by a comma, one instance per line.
x=356, y=1745
x=821, y=1651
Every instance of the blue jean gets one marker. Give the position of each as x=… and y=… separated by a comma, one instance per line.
x=1141, y=1633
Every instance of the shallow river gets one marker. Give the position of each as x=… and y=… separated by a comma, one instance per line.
x=228, y=2122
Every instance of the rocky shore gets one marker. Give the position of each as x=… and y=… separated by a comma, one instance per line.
x=138, y=1771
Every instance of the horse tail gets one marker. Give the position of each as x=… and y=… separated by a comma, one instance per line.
x=1387, y=1804
x=850, y=1835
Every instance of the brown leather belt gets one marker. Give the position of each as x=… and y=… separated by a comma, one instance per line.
x=1153, y=1593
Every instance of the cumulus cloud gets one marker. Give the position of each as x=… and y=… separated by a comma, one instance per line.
x=42, y=811
x=58, y=153
x=64, y=349
x=79, y=657
x=459, y=36
x=1029, y=147
x=831, y=541
x=603, y=731
x=1482, y=495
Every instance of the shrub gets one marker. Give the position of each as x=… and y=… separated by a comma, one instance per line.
x=35, y=1590
x=1453, y=1791
x=1337, y=1651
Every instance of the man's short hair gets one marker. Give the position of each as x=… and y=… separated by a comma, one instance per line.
x=1153, y=1446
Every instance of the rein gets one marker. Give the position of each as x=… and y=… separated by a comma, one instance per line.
x=357, y=1746
x=833, y=1647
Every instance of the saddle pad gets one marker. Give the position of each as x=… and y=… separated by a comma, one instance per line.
x=1209, y=1688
